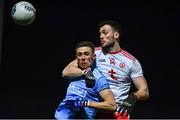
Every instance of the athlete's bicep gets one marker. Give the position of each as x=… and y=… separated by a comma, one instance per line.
x=107, y=97
x=142, y=88
x=108, y=102
x=140, y=83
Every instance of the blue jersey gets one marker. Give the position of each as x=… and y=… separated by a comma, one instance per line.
x=78, y=89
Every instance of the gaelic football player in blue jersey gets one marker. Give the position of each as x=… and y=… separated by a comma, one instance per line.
x=86, y=95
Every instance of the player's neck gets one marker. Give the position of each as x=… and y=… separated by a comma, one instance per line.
x=112, y=49
x=115, y=48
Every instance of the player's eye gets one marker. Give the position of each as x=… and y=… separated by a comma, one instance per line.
x=79, y=54
x=87, y=53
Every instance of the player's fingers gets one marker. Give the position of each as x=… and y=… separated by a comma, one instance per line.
x=127, y=111
x=123, y=110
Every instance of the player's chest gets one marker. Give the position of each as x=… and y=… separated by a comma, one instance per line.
x=114, y=67
x=116, y=62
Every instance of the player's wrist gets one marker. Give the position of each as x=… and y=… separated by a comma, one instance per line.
x=134, y=96
x=86, y=103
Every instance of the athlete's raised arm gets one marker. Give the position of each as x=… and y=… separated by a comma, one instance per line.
x=72, y=70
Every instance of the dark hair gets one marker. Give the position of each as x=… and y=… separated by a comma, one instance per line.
x=86, y=44
x=115, y=25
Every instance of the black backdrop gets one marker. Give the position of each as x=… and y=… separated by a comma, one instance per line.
x=34, y=56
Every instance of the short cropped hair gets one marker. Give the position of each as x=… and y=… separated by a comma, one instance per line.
x=86, y=44
x=115, y=25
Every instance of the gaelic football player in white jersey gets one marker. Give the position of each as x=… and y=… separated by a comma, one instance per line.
x=120, y=67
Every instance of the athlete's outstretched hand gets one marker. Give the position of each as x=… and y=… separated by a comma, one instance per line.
x=89, y=77
x=127, y=105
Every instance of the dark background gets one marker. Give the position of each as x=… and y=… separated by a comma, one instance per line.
x=34, y=56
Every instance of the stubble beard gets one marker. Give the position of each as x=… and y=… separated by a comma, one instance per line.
x=108, y=47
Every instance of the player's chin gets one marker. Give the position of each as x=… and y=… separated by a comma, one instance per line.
x=102, y=44
x=84, y=66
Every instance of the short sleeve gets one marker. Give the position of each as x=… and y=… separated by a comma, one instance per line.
x=136, y=69
x=102, y=84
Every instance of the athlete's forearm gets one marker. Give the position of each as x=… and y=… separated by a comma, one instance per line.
x=142, y=94
x=71, y=71
x=102, y=105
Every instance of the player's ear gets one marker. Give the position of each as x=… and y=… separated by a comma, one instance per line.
x=116, y=35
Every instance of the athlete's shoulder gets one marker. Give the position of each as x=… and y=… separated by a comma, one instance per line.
x=97, y=73
x=98, y=50
x=127, y=55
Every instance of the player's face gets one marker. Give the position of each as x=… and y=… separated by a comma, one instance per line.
x=106, y=36
x=85, y=57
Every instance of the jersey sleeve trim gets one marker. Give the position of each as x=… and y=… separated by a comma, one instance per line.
x=128, y=55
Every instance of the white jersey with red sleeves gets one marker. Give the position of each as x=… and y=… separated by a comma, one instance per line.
x=120, y=68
